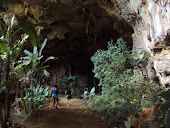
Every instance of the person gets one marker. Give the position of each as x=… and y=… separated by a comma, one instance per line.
x=55, y=96
x=68, y=96
x=85, y=92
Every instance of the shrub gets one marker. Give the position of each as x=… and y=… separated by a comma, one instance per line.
x=124, y=89
x=70, y=82
x=40, y=96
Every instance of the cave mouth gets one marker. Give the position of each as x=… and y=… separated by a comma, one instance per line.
x=84, y=35
x=87, y=26
x=74, y=57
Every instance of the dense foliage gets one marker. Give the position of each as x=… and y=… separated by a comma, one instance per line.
x=125, y=90
x=70, y=82
x=40, y=97
x=11, y=49
x=32, y=69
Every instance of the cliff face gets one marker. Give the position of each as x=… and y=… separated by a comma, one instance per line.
x=150, y=20
x=89, y=24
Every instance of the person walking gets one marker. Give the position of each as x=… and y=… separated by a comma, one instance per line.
x=68, y=96
x=85, y=92
x=55, y=96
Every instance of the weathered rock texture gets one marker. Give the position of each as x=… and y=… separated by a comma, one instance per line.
x=89, y=24
x=150, y=20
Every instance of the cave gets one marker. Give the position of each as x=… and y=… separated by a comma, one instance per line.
x=86, y=25
x=89, y=24
x=84, y=35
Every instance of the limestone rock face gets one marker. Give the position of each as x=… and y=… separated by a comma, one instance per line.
x=151, y=31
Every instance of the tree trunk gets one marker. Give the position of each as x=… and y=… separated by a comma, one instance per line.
x=99, y=90
x=22, y=100
x=1, y=118
x=32, y=95
x=7, y=104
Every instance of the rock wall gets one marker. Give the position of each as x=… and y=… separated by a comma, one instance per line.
x=150, y=20
x=82, y=80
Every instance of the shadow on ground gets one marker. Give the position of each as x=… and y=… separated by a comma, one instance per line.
x=74, y=116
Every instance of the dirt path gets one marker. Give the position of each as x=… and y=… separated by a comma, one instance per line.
x=73, y=116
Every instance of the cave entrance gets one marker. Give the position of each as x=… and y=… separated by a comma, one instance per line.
x=83, y=37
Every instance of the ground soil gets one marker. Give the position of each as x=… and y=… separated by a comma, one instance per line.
x=74, y=116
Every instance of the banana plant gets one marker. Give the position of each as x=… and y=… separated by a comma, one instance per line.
x=7, y=53
x=39, y=99
x=9, y=49
x=9, y=56
x=32, y=61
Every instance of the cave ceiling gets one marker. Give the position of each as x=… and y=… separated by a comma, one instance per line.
x=86, y=24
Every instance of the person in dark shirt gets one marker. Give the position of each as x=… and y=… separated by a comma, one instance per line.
x=68, y=96
x=55, y=96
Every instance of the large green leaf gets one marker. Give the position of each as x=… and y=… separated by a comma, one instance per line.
x=92, y=90
x=42, y=46
x=29, y=28
x=34, y=61
x=26, y=58
x=26, y=62
x=18, y=67
x=35, y=50
x=24, y=38
x=12, y=21
x=42, y=68
x=28, y=53
x=37, y=88
x=128, y=123
x=17, y=47
x=3, y=48
x=49, y=58
x=41, y=90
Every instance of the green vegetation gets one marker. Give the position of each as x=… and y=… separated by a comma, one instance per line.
x=70, y=82
x=125, y=90
x=33, y=67
x=30, y=65
x=40, y=97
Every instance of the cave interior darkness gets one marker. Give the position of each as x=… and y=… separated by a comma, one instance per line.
x=85, y=32
x=76, y=50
